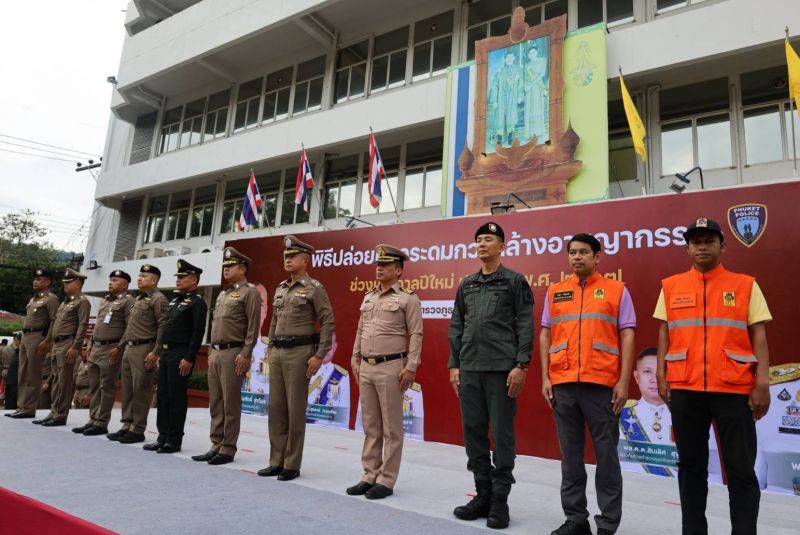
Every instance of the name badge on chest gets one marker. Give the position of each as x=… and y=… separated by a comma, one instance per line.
x=558, y=297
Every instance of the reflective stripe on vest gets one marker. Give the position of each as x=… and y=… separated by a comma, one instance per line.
x=604, y=347
x=586, y=316
x=710, y=322
x=741, y=358
x=560, y=347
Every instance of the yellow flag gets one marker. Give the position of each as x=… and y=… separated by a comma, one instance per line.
x=793, y=64
x=634, y=121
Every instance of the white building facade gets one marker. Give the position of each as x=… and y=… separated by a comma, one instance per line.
x=209, y=90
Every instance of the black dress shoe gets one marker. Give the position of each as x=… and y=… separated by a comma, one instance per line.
x=153, y=446
x=220, y=458
x=131, y=438
x=21, y=415
x=10, y=414
x=204, y=458
x=378, y=492
x=359, y=489
x=168, y=448
x=270, y=471
x=44, y=420
x=81, y=429
x=54, y=423
x=116, y=435
x=93, y=431
x=288, y=475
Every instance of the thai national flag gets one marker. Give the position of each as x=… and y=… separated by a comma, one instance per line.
x=376, y=172
x=305, y=182
x=252, y=202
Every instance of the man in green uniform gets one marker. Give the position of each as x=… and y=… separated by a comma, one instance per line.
x=491, y=339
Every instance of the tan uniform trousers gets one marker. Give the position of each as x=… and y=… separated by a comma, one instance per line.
x=29, y=388
x=63, y=381
x=102, y=385
x=224, y=400
x=288, y=400
x=137, y=388
x=382, y=419
x=45, y=398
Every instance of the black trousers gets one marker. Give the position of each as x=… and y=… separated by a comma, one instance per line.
x=577, y=405
x=485, y=404
x=11, y=397
x=172, y=398
x=692, y=413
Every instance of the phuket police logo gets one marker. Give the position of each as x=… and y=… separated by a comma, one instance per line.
x=748, y=222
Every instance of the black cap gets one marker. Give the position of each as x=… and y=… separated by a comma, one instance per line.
x=588, y=239
x=43, y=273
x=491, y=228
x=148, y=268
x=119, y=274
x=703, y=225
x=185, y=268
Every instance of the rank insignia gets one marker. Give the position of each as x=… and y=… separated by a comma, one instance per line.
x=381, y=251
x=728, y=299
x=492, y=227
x=287, y=242
x=234, y=295
x=784, y=395
x=599, y=293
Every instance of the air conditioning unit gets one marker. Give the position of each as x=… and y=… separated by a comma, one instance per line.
x=152, y=252
x=177, y=251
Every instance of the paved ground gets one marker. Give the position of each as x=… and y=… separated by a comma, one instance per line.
x=132, y=491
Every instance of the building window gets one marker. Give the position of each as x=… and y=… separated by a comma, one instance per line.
x=391, y=164
x=612, y=12
x=178, y=215
x=170, y=130
x=233, y=204
x=663, y=6
x=538, y=11
x=156, y=215
x=192, y=129
x=247, y=104
x=291, y=213
x=433, y=41
x=308, y=87
x=351, y=71
x=276, y=99
x=768, y=117
x=340, y=187
x=203, y=211
x=695, y=127
x=423, y=176
x=621, y=154
x=217, y=115
x=389, y=60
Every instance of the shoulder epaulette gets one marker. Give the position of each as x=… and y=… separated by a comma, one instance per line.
x=406, y=290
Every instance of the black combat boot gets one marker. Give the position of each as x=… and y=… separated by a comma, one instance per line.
x=498, y=512
x=478, y=506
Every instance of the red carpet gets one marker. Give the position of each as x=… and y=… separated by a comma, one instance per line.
x=20, y=515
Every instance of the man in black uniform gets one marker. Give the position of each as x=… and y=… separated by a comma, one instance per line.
x=491, y=339
x=183, y=334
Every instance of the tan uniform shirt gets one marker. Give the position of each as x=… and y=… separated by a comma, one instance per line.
x=386, y=322
x=297, y=309
x=41, y=311
x=237, y=316
x=147, y=318
x=72, y=319
x=112, y=317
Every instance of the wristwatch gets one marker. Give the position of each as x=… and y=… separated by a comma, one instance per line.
x=522, y=366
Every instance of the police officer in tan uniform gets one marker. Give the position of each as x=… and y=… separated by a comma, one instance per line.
x=386, y=355
x=69, y=329
x=141, y=344
x=105, y=356
x=234, y=332
x=39, y=317
x=296, y=351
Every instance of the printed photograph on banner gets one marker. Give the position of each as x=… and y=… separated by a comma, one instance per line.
x=329, y=393
x=646, y=441
x=255, y=387
x=778, y=456
x=413, y=414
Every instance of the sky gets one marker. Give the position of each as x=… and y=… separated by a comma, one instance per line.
x=57, y=55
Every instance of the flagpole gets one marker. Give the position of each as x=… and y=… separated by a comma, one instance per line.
x=792, y=109
x=389, y=187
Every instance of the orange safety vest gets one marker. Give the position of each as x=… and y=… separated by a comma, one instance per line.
x=709, y=343
x=584, y=334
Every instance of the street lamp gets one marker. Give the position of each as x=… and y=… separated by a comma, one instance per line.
x=500, y=208
x=682, y=180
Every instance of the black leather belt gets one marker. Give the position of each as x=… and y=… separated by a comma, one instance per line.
x=139, y=342
x=221, y=346
x=98, y=343
x=295, y=341
x=29, y=330
x=58, y=339
x=380, y=359
x=173, y=345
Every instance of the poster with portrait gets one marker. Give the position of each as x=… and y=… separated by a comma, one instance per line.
x=413, y=414
x=329, y=395
x=255, y=387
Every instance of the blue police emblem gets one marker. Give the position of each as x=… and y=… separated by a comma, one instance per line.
x=748, y=222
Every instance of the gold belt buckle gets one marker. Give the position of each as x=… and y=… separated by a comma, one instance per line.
x=372, y=361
